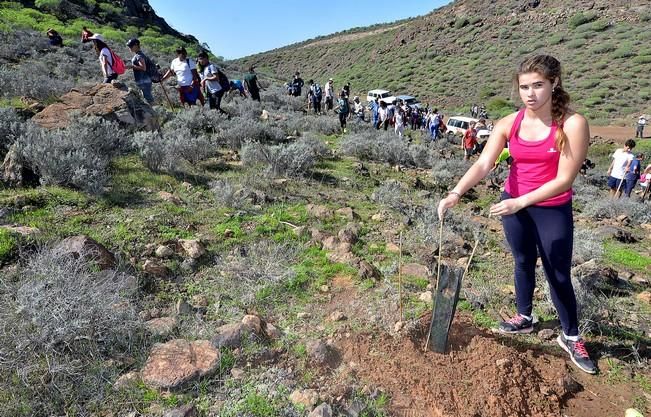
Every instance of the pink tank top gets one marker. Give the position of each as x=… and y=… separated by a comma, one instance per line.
x=534, y=164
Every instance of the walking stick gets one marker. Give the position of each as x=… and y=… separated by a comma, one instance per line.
x=400, y=278
x=619, y=187
x=166, y=96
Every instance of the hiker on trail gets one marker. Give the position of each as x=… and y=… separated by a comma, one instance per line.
x=434, y=125
x=86, y=35
x=399, y=127
x=298, y=84
x=548, y=142
x=329, y=94
x=54, y=38
x=482, y=112
x=358, y=109
x=645, y=182
x=105, y=58
x=343, y=108
x=316, y=96
x=251, y=83
x=474, y=110
x=346, y=90
x=187, y=78
x=383, y=116
x=236, y=85
x=374, y=107
x=619, y=167
x=633, y=174
x=213, y=81
x=469, y=142
x=641, y=122
x=140, y=64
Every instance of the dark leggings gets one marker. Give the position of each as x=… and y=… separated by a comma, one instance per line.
x=342, y=119
x=548, y=231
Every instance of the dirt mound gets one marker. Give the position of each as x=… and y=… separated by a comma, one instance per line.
x=479, y=377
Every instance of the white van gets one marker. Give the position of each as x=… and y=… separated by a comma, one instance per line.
x=379, y=94
x=459, y=125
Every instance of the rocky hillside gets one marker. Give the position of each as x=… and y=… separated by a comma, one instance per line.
x=465, y=52
x=117, y=20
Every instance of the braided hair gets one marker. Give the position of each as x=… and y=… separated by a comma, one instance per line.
x=550, y=68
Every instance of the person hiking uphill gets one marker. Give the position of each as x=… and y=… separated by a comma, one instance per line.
x=187, y=78
x=54, y=38
x=619, y=167
x=548, y=142
x=329, y=94
x=210, y=81
x=641, y=122
x=343, y=108
x=105, y=58
x=251, y=83
x=141, y=64
x=297, y=84
x=316, y=95
x=469, y=141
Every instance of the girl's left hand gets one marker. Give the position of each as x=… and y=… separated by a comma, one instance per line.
x=506, y=207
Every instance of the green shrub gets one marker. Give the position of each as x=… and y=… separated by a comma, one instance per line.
x=643, y=59
x=556, y=39
x=48, y=5
x=499, y=107
x=624, y=51
x=581, y=18
x=602, y=48
x=461, y=22
x=575, y=43
x=7, y=244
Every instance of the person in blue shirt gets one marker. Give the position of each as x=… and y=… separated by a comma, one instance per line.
x=140, y=70
x=237, y=85
x=374, y=106
x=633, y=174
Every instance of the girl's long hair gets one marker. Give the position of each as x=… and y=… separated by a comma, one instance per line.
x=99, y=45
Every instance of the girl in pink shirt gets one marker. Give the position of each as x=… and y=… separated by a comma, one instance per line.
x=548, y=142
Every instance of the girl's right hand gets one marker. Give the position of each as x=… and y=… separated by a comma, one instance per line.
x=448, y=202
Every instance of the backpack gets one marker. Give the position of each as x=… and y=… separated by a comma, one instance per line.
x=152, y=69
x=343, y=106
x=224, y=83
x=317, y=91
x=118, y=64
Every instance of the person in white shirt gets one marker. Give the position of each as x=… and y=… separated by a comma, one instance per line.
x=619, y=167
x=187, y=78
x=383, y=116
x=358, y=108
x=641, y=122
x=329, y=94
x=105, y=57
x=210, y=82
x=400, y=122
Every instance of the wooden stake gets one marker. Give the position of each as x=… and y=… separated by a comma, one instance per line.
x=400, y=278
x=438, y=278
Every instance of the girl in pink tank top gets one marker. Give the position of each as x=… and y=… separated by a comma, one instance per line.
x=548, y=143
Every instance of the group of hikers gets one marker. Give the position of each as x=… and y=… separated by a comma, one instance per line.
x=626, y=171
x=197, y=79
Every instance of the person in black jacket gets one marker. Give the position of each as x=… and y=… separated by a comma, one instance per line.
x=298, y=84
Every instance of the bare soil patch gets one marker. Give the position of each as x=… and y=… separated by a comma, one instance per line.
x=349, y=37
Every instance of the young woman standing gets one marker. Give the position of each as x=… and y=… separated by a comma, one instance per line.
x=548, y=143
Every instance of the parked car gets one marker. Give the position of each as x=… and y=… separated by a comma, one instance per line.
x=459, y=125
x=411, y=101
x=379, y=94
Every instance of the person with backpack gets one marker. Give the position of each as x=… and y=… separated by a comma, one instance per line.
x=109, y=61
x=144, y=71
x=187, y=78
x=548, y=142
x=251, y=83
x=54, y=38
x=316, y=95
x=343, y=108
x=213, y=81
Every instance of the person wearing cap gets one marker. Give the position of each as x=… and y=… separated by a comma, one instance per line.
x=187, y=78
x=251, y=83
x=140, y=71
x=105, y=58
x=641, y=122
x=210, y=82
x=329, y=94
x=54, y=38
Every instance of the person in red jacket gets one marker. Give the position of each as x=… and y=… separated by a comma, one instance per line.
x=469, y=141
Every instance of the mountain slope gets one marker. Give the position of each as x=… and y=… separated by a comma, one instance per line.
x=466, y=52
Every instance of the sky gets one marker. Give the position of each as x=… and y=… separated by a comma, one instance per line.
x=260, y=25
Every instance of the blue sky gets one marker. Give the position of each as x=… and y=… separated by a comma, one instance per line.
x=260, y=25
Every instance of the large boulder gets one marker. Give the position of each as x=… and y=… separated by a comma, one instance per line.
x=178, y=362
x=14, y=172
x=114, y=102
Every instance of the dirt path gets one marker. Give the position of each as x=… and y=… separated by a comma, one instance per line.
x=618, y=133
